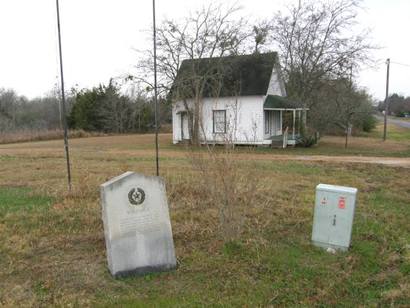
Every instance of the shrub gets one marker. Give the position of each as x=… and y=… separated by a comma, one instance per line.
x=308, y=138
x=368, y=123
x=226, y=188
x=307, y=141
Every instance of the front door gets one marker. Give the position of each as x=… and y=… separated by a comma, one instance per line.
x=184, y=126
x=273, y=123
x=277, y=123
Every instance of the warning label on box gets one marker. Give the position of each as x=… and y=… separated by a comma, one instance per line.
x=342, y=203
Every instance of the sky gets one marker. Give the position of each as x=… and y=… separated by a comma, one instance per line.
x=100, y=39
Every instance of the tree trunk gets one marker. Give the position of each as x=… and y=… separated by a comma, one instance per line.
x=347, y=134
x=196, y=119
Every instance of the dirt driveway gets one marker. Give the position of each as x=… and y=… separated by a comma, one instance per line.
x=132, y=146
x=390, y=161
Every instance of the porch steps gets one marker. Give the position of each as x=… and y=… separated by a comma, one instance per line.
x=277, y=144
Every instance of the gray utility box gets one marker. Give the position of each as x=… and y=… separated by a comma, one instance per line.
x=333, y=217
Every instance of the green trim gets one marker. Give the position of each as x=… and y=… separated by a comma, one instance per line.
x=276, y=101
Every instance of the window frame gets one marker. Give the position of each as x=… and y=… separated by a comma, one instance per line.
x=213, y=121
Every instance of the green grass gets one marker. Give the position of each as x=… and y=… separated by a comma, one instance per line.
x=52, y=250
x=286, y=269
x=364, y=144
x=22, y=199
x=399, y=134
x=5, y=158
x=394, y=133
x=400, y=118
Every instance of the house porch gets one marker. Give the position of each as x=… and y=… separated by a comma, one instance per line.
x=284, y=121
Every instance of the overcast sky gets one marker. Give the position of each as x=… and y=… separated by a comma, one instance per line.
x=99, y=38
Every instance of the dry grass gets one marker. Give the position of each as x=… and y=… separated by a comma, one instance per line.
x=368, y=144
x=54, y=134
x=53, y=254
x=41, y=135
x=364, y=143
x=227, y=188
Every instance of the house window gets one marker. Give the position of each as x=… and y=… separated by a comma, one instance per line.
x=219, y=119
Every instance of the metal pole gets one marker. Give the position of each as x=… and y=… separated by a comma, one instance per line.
x=64, y=120
x=386, y=102
x=348, y=117
x=155, y=87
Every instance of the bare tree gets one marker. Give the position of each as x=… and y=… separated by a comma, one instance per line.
x=221, y=179
x=319, y=40
x=17, y=113
x=343, y=107
x=351, y=105
x=211, y=32
x=261, y=35
x=8, y=103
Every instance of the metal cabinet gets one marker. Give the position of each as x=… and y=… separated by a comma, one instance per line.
x=333, y=216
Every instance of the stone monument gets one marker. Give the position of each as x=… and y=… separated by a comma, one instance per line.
x=137, y=226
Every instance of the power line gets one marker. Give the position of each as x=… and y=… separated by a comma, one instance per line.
x=398, y=63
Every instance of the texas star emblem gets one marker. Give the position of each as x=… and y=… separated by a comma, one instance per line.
x=136, y=196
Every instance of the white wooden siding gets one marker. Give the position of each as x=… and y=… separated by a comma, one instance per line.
x=244, y=116
x=276, y=85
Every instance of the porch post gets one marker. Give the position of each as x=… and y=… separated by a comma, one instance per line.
x=281, y=123
x=182, y=126
x=294, y=119
x=304, y=118
x=299, y=120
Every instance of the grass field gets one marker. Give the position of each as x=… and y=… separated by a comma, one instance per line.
x=399, y=118
x=52, y=245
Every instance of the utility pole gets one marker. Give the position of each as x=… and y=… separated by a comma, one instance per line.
x=63, y=116
x=349, y=115
x=155, y=88
x=386, y=101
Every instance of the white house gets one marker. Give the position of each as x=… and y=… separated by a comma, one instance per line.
x=242, y=102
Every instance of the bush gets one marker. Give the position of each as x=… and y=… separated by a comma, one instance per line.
x=368, y=123
x=307, y=138
x=307, y=141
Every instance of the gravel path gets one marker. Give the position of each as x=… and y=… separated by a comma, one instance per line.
x=389, y=161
